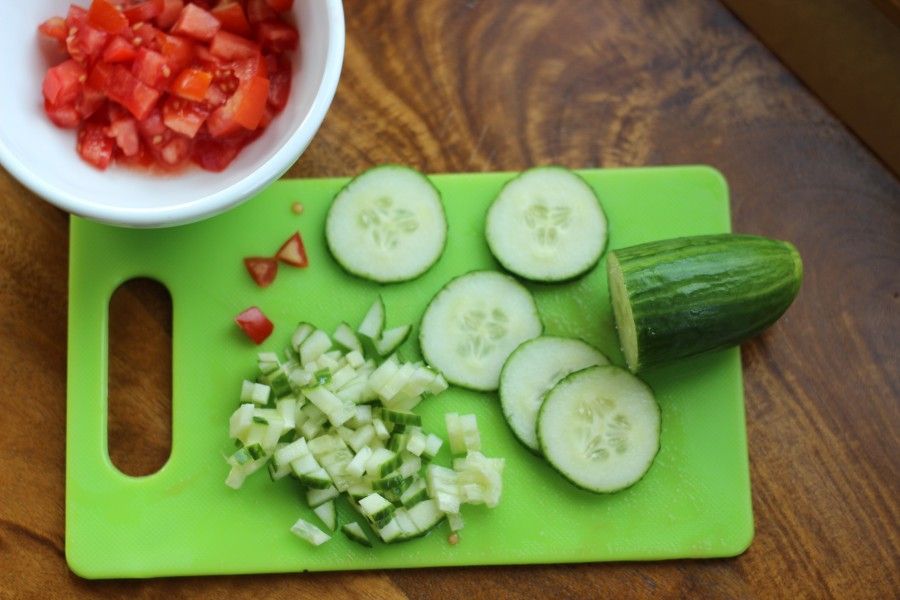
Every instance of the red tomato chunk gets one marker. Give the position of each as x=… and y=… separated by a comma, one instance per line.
x=161, y=83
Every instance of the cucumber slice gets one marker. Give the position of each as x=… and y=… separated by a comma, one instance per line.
x=345, y=336
x=392, y=339
x=387, y=225
x=327, y=514
x=373, y=323
x=599, y=428
x=676, y=298
x=547, y=225
x=318, y=497
x=473, y=324
x=531, y=371
x=355, y=532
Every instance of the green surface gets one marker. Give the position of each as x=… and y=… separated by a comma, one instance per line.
x=694, y=501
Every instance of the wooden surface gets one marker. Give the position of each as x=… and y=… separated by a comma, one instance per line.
x=455, y=85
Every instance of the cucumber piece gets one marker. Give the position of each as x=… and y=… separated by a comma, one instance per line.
x=373, y=323
x=387, y=225
x=599, y=427
x=401, y=416
x=303, y=331
x=377, y=509
x=415, y=493
x=392, y=339
x=240, y=421
x=317, y=344
x=531, y=371
x=327, y=514
x=355, y=532
x=346, y=338
x=309, y=532
x=676, y=298
x=547, y=225
x=462, y=431
x=426, y=515
x=473, y=324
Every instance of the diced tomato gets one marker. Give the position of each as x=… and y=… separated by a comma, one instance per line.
x=125, y=132
x=259, y=11
x=169, y=14
x=255, y=324
x=90, y=101
x=281, y=72
x=212, y=155
x=192, y=84
x=64, y=82
x=94, y=146
x=179, y=52
x=54, y=28
x=145, y=10
x=184, y=117
x=229, y=46
x=119, y=50
x=248, y=68
x=76, y=17
x=176, y=151
x=87, y=43
x=277, y=36
x=104, y=15
x=280, y=5
x=253, y=102
x=262, y=270
x=215, y=97
x=196, y=23
x=267, y=117
x=231, y=16
x=151, y=68
x=152, y=125
x=293, y=252
x=146, y=36
x=65, y=116
x=131, y=92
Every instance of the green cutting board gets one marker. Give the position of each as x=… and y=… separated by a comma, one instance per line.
x=694, y=501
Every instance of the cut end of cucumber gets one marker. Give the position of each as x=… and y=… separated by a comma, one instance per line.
x=622, y=311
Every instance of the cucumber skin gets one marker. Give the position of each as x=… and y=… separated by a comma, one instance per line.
x=698, y=294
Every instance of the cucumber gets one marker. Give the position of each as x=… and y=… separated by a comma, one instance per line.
x=547, y=225
x=309, y=532
x=355, y=532
x=676, y=298
x=530, y=372
x=387, y=225
x=472, y=326
x=599, y=427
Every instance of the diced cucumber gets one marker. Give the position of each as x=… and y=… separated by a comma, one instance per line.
x=383, y=373
x=355, y=359
x=387, y=225
x=376, y=508
x=327, y=514
x=309, y=532
x=355, y=532
x=398, y=380
x=373, y=323
x=599, y=428
x=357, y=466
x=287, y=409
x=381, y=432
x=547, y=225
x=292, y=452
x=426, y=515
x=316, y=498
x=432, y=446
x=415, y=493
x=531, y=371
x=362, y=437
x=401, y=416
x=313, y=347
x=303, y=331
x=485, y=474
x=346, y=338
x=455, y=521
x=474, y=323
x=240, y=421
x=382, y=462
x=391, y=339
x=462, y=431
x=257, y=393
x=319, y=479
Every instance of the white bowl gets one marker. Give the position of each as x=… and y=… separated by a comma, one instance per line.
x=43, y=157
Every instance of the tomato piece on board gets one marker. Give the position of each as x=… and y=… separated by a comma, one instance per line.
x=232, y=17
x=277, y=36
x=170, y=13
x=151, y=68
x=293, y=252
x=262, y=270
x=229, y=46
x=64, y=82
x=105, y=16
x=137, y=12
x=119, y=50
x=192, y=84
x=54, y=28
x=197, y=23
x=94, y=146
x=255, y=324
x=65, y=116
x=131, y=92
x=280, y=5
x=281, y=72
x=184, y=117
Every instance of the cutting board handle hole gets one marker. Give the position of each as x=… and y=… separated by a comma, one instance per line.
x=139, y=433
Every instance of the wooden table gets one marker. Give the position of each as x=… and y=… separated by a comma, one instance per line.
x=454, y=85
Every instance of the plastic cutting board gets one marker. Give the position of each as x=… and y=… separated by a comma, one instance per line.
x=182, y=520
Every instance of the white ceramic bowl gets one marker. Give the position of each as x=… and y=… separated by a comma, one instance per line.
x=43, y=157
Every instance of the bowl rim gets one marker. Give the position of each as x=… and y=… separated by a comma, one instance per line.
x=220, y=201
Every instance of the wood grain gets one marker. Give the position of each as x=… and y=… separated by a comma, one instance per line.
x=452, y=85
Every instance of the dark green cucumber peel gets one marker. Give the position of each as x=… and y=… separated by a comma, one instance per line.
x=681, y=297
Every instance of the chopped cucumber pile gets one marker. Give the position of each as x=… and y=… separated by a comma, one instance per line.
x=337, y=417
